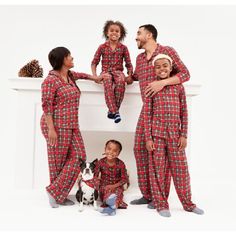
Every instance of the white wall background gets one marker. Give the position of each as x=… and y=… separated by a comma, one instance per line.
x=204, y=37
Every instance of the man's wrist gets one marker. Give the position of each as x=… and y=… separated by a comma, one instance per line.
x=51, y=128
x=164, y=82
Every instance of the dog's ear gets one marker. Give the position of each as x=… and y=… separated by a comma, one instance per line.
x=82, y=163
x=93, y=163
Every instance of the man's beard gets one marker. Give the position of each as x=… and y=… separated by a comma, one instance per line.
x=140, y=44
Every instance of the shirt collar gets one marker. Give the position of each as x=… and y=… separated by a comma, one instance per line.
x=107, y=44
x=57, y=74
x=144, y=56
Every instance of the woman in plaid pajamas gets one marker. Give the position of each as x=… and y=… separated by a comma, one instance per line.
x=113, y=53
x=59, y=125
x=113, y=176
x=144, y=73
x=166, y=123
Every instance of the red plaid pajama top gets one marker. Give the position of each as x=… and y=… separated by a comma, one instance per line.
x=112, y=60
x=61, y=99
x=111, y=174
x=165, y=114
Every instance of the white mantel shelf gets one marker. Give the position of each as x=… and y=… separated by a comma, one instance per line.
x=31, y=161
x=34, y=84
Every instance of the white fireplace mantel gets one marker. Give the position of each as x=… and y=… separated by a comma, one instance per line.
x=34, y=84
x=31, y=161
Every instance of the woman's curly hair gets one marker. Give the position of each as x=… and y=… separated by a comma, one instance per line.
x=108, y=23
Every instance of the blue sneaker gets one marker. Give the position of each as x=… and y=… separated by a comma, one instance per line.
x=110, y=115
x=117, y=118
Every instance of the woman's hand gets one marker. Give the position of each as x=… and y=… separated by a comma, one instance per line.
x=150, y=146
x=52, y=137
x=98, y=79
x=182, y=143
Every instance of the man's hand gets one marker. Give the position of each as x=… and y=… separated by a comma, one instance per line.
x=154, y=88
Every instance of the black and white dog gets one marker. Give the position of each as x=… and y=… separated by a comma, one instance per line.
x=87, y=193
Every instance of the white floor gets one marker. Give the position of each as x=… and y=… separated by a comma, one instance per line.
x=29, y=210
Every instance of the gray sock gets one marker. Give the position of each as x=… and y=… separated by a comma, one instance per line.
x=151, y=205
x=112, y=213
x=140, y=201
x=52, y=201
x=67, y=202
x=198, y=211
x=164, y=213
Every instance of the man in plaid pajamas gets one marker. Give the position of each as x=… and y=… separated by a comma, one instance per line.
x=113, y=177
x=59, y=124
x=166, y=125
x=144, y=73
x=113, y=54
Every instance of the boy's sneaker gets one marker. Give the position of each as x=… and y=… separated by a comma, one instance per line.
x=110, y=115
x=117, y=118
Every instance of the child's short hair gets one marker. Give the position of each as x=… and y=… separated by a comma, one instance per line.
x=108, y=23
x=161, y=56
x=115, y=142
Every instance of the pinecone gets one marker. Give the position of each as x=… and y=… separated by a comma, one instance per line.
x=32, y=69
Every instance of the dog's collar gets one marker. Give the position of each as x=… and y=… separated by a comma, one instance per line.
x=91, y=183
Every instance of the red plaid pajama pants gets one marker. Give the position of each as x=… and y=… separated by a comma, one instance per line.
x=142, y=162
x=64, y=161
x=167, y=150
x=114, y=90
x=119, y=191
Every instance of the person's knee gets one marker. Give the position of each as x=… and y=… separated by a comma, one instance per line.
x=107, y=81
x=78, y=157
x=107, y=77
x=120, y=82
x=138, y=150
x=139, y=145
